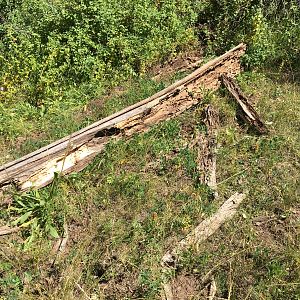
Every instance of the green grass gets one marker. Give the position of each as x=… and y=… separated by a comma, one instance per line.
x=141, y=196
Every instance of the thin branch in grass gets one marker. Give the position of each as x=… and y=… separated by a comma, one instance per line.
x=206, y=228
x=83, y=291
x=4, y=230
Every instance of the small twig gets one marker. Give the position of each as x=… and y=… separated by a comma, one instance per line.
x=83, y=291
x=232, y=176
x=206, y=228
x=168, y=294
x=61, y=244
x=4, y=230
x=212, y=290
x=230, y=282
x=249, y=293
x=283, y=284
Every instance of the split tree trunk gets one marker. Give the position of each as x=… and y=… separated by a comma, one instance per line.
x=75, y=151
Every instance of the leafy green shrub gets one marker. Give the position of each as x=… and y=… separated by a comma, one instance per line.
x=50, y=46
x=270, y=28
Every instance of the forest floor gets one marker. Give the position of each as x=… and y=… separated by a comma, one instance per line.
x=141, y=196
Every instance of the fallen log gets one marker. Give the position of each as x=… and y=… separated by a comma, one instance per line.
x=75, y=151
x=207, y=146
x=248, y=112
x=199, y=235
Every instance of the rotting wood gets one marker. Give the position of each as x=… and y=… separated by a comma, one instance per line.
x=74, y=152
x=207, y=146
x=249, y=114
x=201, y=233
x=206, y=228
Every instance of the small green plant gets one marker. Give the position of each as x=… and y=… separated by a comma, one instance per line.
x=37, y=213
x=10, y=281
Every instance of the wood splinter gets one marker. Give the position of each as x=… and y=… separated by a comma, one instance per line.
x=248, y=112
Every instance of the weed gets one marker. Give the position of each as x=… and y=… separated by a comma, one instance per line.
x=36, y=212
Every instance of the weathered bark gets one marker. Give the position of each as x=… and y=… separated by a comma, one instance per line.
x=248, y=112
x=207, y=146
x=74, y=152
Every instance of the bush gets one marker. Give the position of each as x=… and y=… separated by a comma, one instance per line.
x=270, y=28
x=48, y=46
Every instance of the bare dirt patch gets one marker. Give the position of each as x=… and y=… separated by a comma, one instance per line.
x=185, y=287
x=181, y=63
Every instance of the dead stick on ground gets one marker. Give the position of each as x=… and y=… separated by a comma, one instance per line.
x=168, y=292
x=74, y=152
x=212, y=289
x=207, y=147
x=203, y=231
x=4, y=230
x=248, y=112
x=60, y=245
x=83, y=291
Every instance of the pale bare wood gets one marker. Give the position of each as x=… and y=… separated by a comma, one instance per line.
x=212, y=289
x=168, y=294
x=74, y=152
x=4, y=230
x=206, y=228
x=60, y=245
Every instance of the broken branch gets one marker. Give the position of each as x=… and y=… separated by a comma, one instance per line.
x=200, y=234
x=206, y=228
x=248, y=112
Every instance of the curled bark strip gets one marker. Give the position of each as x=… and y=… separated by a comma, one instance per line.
x=74, y=152
x=248, y=112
